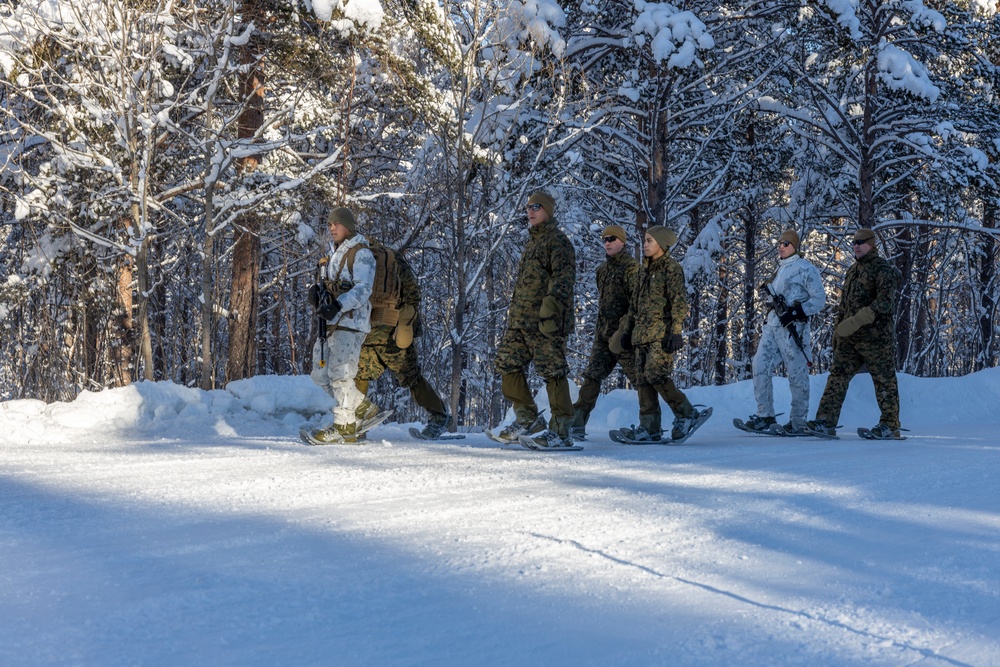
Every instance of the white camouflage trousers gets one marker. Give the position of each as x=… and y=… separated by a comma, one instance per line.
x=776, y=345
x=341, y=351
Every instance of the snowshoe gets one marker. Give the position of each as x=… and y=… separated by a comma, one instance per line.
x=755, y=424
x=821, y=429
x=548, y=441
x=343, y=434
x=684, y=427
x=510, y=434
x=335, y=434
x=437, y=429
x=419, y=435
x=635, y=435
x=789, y=431
x=881, y=432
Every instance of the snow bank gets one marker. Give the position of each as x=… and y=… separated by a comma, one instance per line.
x=282, y=404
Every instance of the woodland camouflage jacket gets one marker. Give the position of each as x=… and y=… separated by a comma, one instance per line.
x=872, y=281
x=617, y=279
x=659, y=304
x=548, y=268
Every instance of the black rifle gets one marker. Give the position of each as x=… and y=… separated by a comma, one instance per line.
x=781, y=308
x=323, y=299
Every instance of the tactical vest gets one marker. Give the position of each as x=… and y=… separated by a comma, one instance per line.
x=385, y=289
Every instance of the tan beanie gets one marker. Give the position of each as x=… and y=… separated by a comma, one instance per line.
x=543, y=198
x=344, y=216
x=615, y=230
x=664, y=237
x=791, y=236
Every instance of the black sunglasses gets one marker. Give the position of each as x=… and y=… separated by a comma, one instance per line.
x=534, y=207
x=859, y=241
x=609, y=239
x=784, y=244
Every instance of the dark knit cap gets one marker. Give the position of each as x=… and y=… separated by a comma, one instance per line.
x=343, y=216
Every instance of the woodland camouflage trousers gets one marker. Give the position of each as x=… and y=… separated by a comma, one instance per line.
x=849, y=356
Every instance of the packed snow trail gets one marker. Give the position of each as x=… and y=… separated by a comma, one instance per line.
x=158, y=525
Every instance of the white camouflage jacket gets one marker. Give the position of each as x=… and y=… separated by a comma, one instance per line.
x=799, y=281
x=355, y=303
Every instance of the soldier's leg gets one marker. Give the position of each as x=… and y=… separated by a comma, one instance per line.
x=798, y=378
x=512, y=358
x=405, y=366
x=764, y=362
x=550, y=363
x=318, y=372
x=371, y=365
x=659, y=370
x=846, y=364
x=602, y=362
x=649, y=401
x=370, y=362
x=341, y=369
x=880, y=358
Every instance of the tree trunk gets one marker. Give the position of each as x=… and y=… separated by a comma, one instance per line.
x=987, y=357
x=866, y=203
x=243, y=292
x=122, y=352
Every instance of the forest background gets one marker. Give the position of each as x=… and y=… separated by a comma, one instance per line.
x=167, y=167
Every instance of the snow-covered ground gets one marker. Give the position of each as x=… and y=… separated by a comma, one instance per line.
x=160, y=525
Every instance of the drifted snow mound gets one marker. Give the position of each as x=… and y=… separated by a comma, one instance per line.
x=168, y=409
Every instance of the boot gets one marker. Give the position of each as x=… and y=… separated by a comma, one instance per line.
x=761, y=424
x=366, y=410
x=348, y=432
x=436, y=425
x=517, y=428
x=578, y=429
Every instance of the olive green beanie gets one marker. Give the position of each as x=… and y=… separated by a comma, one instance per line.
x=664, y=236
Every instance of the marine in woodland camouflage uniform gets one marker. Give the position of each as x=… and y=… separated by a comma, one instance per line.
x=539, y=320
x=656, y=320
x=865, y=335
x=390, y=347
x=617, y=279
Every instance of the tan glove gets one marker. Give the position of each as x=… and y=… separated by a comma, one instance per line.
x=621, y=340
x=404, y=327
x=550, y=316
x=850, y=325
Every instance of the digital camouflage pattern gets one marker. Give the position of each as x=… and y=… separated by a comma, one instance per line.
x=380, y=351
x=660, y=304
x=519, y=347
x=547, y=268
x=871, y=281
x=658, y=308
x=617, y=279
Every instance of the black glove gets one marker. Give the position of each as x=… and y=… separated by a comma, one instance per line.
x=793, y=314
x=673, y=343
x=314, y=291
x=330, y=310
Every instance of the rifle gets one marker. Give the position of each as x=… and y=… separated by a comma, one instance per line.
x=780, y=306
x=323, y=297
